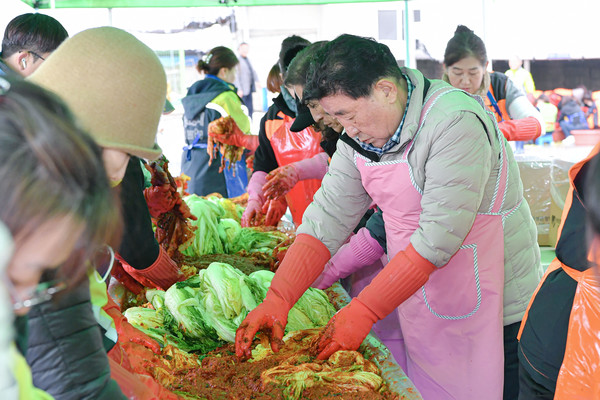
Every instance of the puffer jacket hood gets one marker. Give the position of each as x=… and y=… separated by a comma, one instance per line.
x=200, y=94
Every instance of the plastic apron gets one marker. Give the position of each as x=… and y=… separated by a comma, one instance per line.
x=579, y=374
x=452, y=327
x=290, y=147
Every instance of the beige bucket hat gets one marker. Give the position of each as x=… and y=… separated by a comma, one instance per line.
x=115, y=86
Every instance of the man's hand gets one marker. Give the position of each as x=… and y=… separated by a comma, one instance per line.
x=269, y=317
x=346, y=330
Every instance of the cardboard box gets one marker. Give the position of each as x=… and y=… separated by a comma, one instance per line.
x=535, y=175
x=559, y=188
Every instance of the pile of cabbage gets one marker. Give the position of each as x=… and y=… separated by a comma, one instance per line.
x=204, y=311
x=219, y=230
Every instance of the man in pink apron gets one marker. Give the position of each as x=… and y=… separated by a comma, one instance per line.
x=435, y=163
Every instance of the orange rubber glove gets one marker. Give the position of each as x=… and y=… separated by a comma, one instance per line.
x=226, y=131
x=302, y=264
x=521, y=129
x=399, y=280
x=161, y=274
x=126, y=332
x=274, y=210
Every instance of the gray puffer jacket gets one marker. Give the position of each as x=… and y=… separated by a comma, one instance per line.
x=455, y=162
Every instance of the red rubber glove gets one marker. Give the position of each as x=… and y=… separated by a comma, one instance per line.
x=161, y=274
x=160, y=199
x=399, y=280
x=126, y=332
x=270, y=317
x=349, y=326
x=124, y=278
x=521, y=129
x=303, y=262
x=226, y=131
x=273, y=211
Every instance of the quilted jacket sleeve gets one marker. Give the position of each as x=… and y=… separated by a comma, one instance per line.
x=65, y=353
x=339, y=204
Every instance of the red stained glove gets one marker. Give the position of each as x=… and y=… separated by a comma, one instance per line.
x=252, y=214
x=270, y=317
x=160, y=199
x=346, y=330
x=125, y=279
x=273, y=211
x=225, y=130
x=280, y=181
x=161, y=274
x=303, y=263
x=126, y=332
x=250, y=162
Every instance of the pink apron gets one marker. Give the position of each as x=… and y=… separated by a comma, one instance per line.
x=452, y=326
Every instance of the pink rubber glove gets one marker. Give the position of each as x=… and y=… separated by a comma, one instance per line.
x=256, y=199
x=360, y=251
x=281, y=180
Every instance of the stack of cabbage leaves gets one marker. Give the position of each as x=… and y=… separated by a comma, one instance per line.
x=219, y=230
x=204, y=311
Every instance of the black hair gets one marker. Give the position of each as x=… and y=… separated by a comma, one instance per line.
x=37, y=33
x=464, y=43
x=290, y=46
x=349, y=65
x=296, y=72
x=219, y=57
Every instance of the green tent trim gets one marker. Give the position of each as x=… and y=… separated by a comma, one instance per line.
x=46, y=4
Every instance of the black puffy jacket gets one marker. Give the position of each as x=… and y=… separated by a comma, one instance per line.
x=65, y=349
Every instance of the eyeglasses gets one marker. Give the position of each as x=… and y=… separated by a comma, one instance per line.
x=36, y=55
x=101, y=261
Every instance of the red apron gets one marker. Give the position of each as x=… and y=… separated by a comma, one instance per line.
x=290, y=147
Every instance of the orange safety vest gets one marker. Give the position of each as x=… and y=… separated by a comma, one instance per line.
x=579, y=374
x=503, y=115
x=290, y=147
